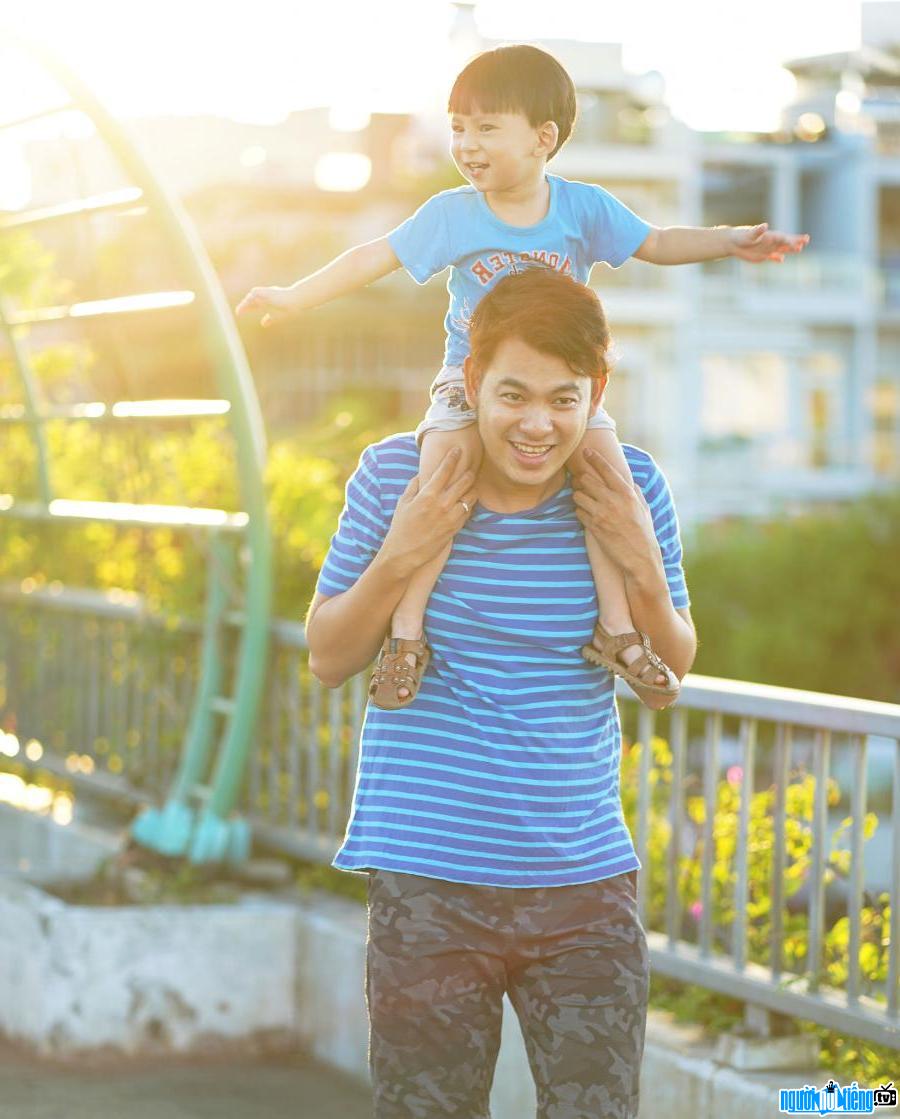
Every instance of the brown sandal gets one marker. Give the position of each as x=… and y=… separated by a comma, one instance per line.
x=641, y=674
x=393, y=672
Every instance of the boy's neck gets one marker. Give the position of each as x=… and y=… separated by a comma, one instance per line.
x=523, y=204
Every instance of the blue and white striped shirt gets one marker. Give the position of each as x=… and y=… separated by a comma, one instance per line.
x=504, y=771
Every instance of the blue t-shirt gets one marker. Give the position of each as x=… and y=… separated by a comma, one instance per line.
x=457, y=229
x=504, y=771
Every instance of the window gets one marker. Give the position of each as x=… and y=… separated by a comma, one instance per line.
x=745, y=396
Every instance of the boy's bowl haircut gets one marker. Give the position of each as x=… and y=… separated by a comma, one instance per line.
x=517, y=78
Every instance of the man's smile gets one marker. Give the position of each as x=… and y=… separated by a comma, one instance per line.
x=535, y=453
x=532, y=448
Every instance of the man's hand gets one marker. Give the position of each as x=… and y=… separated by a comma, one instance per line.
x=275, y=302
x=758, y=243
x=614, y=510
x=428, y=516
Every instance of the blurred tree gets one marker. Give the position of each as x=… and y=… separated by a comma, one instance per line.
x=809, y=602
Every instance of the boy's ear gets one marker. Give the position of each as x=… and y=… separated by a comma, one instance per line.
x=472, y=381
x=548, y=135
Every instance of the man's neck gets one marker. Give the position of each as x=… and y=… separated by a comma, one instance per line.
x=501, y=495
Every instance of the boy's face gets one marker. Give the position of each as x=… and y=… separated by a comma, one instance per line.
x=532, y=413
x=497, y=151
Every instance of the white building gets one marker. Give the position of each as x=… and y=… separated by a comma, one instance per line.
x=758, y=387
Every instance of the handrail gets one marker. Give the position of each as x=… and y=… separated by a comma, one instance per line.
x=125, y=513
x=139, y=303
x=845, y=714
x=98, y=203
x=97, y=411
x=41, y=114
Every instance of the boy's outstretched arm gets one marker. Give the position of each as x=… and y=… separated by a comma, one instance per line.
x=351, y=270
x=685, y=245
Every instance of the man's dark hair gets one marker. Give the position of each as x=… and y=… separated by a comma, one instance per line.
x=517, y=78
x=550, y=312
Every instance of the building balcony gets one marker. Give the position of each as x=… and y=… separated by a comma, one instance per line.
x=821, y=287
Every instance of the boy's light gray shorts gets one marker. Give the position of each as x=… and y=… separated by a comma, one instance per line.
x=439, y=957
x=449, y=410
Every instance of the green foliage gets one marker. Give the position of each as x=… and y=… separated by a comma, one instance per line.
x=798, y=841
x=318, y=876
x=25, y=268
x=165, y=883
x=692, y=1005
x=304, y=479
x=806, y=602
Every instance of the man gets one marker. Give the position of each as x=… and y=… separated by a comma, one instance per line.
x=487, y=813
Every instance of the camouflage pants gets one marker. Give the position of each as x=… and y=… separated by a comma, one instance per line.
x=439, y=957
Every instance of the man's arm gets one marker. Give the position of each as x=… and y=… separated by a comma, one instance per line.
x=688, y=245
x=345, y=631
x=670, y=629
x=615, y=510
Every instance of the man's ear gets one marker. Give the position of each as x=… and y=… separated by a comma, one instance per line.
x=473, y=381
x=598, y=387
x=548, y=135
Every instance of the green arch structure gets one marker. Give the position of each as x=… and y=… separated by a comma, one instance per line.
x=197, y=819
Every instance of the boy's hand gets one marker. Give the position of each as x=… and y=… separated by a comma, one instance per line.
x=758, y=243
x=275, y=302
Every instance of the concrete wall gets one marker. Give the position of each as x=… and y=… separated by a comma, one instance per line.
x=142, y=979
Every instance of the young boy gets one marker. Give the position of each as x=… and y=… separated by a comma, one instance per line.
x=511, y=110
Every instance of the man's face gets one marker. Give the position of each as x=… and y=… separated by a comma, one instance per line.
x=532, y=413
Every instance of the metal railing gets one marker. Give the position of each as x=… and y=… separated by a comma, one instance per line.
x=731, y=796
